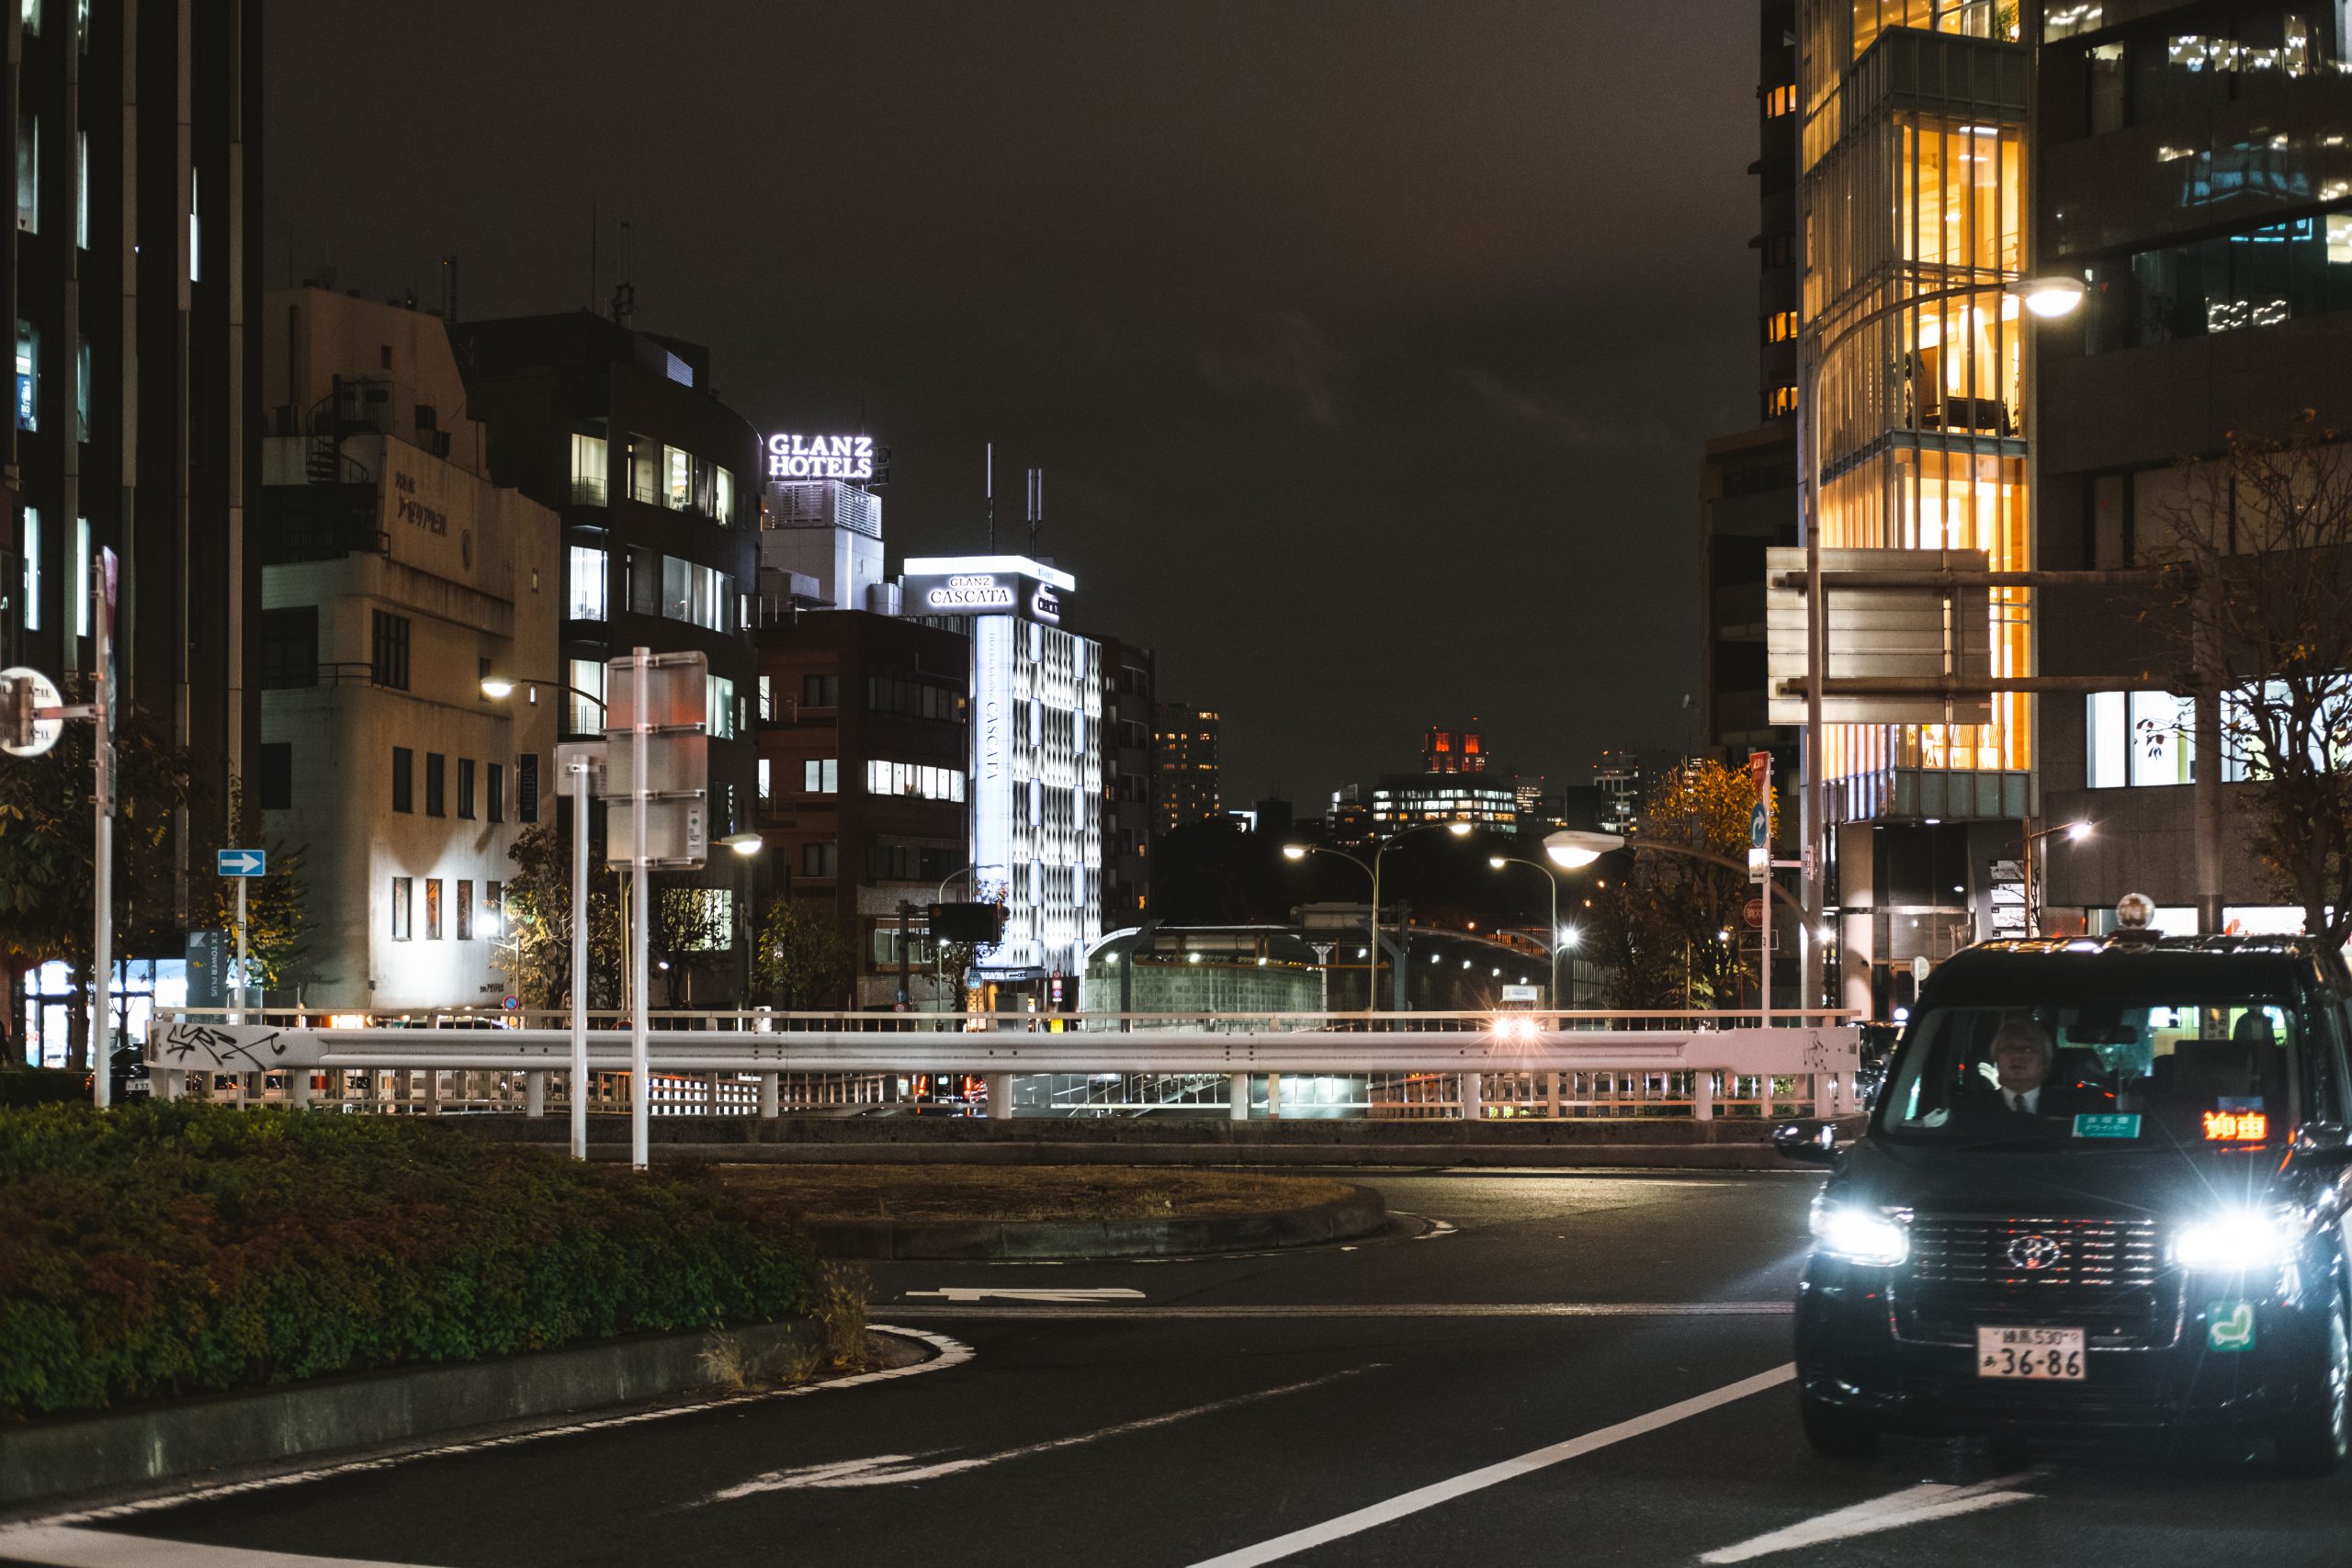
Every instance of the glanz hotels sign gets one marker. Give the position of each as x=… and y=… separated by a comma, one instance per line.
x=820, y=457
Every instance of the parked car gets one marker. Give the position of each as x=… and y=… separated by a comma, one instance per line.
x=2107, y=1188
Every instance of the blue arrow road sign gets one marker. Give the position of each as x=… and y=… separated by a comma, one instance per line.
x=244, y=862
x=1759, y=829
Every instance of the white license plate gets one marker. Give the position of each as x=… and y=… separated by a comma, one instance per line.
x=2038, y=1355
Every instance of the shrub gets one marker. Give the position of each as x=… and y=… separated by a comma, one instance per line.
x=170, y=1248
x=42, y=1085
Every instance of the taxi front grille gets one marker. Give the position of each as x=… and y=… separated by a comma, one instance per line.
x=2105, y=1277
x=2035, y=1253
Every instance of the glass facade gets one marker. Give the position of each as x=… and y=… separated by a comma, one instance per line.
x=1914, y=221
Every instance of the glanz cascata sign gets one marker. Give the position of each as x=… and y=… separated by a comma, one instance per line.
x=820, y=457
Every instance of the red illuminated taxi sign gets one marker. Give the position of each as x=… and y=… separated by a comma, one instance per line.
x=2236, y=1126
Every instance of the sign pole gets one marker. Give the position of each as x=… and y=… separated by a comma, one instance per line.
x=641, y=727
x=244, y=1001
x=1759, y=867
x=579, y=803
x=102, y=878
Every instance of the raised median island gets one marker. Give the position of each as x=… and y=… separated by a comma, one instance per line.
x=940, y=1210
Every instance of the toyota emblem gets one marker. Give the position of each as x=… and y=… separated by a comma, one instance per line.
x=2033, y=1253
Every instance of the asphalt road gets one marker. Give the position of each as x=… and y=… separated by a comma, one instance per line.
x=1539, y=1368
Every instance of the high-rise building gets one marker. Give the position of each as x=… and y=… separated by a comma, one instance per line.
x=1747, y=480
x=130, y=281
x=862, y=724
x=1188, y=767
x=619, y=433
x=1617, y=780
x=1452, y=752
x=1913, y=186
x=1130, y=796
x=1415, y=800
x=395, y=576
x=1036, y=756
x=2193, y=165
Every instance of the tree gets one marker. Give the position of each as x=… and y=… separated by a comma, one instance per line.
x=276, y=905
x=48, y=854
x=956, y=959
x=689, y=925
x=805, y=959
x=1659, y=919
x=538, y=955
x=2262, y=620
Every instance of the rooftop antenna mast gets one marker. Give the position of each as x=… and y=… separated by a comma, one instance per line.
x=989, y=485
x=625, y=294
x=1036, y=507
x=592, y=253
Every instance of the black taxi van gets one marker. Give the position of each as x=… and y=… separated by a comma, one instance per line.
x=2105, y=1189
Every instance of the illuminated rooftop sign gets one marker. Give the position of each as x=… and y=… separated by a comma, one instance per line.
x=984, y=585
x=820, y=457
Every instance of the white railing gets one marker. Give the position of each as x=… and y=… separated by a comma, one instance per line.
x=1381, y=1065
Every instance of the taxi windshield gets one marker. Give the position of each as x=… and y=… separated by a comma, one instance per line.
x=2215, y=1074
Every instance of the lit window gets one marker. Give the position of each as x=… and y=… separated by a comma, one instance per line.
x=401, y=888
x=28, y=376
x=821, y=775
x=1779, y=100
x=1783, y=401
x=195, y=233
x=679, y=467
x=587, y=717
x=81, y=577
x=765, y=766
x=719, y=699
x=32, y=568
x=722, y=496
x=587, y=470
x=588, y=568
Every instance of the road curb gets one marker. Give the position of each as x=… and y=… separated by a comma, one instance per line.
x=66, y=1456
x=1358, y=1212
x=1413, y=1156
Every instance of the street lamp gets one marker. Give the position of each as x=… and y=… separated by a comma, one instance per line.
x=1551, y=882
x=1574, y=848
x=2076, y=834
x=1371, y=951
x=2045, y=299
x=499, y=688
x=745, y=845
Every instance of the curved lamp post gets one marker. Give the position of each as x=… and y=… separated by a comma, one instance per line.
x=1552, y=882
x=499, y=688
x=1573, y=849
x=1371, y=952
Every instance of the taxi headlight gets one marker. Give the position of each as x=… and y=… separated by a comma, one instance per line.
x=2237, y=1242
x=1858, y=1235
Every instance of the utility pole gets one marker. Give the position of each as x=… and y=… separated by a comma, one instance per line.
x=102, y=935
x=640, y=923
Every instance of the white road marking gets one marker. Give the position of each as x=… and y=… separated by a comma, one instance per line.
x=951, y=1353
x=1358, y=1309
x=894, y=1470
x=68, y=1548
x=1437, y=1228
x=1913, y=1506
x=1075, y=1295
x=1430, y=1496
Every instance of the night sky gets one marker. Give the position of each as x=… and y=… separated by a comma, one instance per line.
x=1368, y=346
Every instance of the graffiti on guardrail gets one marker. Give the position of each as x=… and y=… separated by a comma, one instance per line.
x=239, y=1051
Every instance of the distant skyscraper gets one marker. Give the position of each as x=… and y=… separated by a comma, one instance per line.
x=1452, y=752
x=1187, y=776
x=1618, y=778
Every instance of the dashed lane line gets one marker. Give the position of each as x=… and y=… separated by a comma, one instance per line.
x=1415, y=1501
x=895, y=1470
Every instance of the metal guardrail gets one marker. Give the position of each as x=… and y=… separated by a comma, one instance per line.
x=1473, y=1065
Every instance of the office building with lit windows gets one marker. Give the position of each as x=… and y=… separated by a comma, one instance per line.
x=1036, y=758
x=1452, y=752
x=1130, y=796
x=2195, y=165
x=1188, y=766
x=1415, y=800
x=863, y=792
x=1912, y=185
x=1748, y=479
x=657, y=481
x=395, y=575
x=131, y=280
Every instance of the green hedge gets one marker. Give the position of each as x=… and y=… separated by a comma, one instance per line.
x=42, y=1085
x=172, y=1248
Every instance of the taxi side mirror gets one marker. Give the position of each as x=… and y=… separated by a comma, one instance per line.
x=1807, y=1143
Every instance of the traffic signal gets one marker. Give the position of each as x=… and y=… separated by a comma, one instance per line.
x=980, y=924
